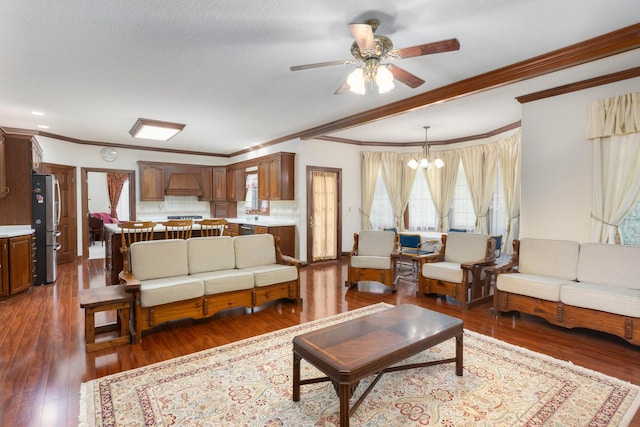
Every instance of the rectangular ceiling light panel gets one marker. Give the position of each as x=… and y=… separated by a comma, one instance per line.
x=155, y=129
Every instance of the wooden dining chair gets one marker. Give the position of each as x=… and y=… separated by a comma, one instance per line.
x=178, y=228
x=131, y=232
x=212, y=227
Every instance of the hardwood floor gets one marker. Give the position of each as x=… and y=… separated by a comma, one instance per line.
x=43, y=359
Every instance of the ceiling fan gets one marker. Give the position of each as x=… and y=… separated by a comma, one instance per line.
x=370, y=50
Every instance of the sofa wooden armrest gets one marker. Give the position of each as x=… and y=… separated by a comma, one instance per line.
x=289, y=260
x=131, y=284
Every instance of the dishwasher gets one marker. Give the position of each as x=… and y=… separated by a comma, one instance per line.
x=246, y=229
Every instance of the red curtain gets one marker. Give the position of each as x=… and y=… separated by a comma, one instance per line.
x=115, y=181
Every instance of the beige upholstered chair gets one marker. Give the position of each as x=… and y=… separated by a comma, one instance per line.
x=212, y=227
x=458, y=270
x=178, y=228
x=373, y=258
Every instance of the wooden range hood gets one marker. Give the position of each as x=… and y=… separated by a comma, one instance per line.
x=184, y=184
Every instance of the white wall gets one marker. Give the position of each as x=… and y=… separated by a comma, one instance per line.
x=556, y=163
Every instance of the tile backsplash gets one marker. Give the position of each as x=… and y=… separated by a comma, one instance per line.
x=172, y=205
x=190, y=205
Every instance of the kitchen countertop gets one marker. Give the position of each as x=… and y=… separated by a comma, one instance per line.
x=15, y=230
x=261, y=221
x=270, y=222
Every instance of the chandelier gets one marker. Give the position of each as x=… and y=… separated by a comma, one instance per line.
x=424, y=162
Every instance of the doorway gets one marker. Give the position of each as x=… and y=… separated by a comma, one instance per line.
x=324, y=206
x=84, y=173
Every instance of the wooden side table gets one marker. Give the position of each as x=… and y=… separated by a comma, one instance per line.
x=107, y=298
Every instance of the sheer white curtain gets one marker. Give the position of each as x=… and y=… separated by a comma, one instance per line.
x=509, y=155
x=442, y=183
x=614, y=126
x=479, y=164
x=370, y=166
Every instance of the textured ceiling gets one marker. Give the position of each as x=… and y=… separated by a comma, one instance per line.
x=222, y=67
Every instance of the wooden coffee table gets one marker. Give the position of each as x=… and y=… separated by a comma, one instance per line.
x=371, y=344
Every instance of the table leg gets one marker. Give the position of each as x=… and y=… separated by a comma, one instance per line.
x=459, y=350
x=345, y=394
x=296, y=377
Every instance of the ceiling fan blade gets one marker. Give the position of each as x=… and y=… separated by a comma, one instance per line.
x=320, y=64
x=363, y=33
x=343, y=88
x=405, y=77
x=429, y=48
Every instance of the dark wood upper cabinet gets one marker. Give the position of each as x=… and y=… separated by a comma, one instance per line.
x=151, y=182
x=3, y=170
x=219, y=184
x=276, y=177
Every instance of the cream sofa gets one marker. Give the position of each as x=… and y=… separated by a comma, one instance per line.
x=589, y=285
x=197, y=277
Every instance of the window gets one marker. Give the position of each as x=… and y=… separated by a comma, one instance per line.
x=381, y=211
x=422, y=213
x=462, y=214
x=630, y=227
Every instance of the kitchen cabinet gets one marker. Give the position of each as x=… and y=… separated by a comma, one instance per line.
x=151, y=182
x=236, y=184
x=219, y=184
x=16, y=265
x=15, y=206
x=207, y=185
x=233, y=229
x=37, y=166
x=286, y=235
x=3, y=170
x=276, y=177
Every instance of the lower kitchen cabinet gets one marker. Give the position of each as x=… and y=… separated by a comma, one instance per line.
x=16, y=265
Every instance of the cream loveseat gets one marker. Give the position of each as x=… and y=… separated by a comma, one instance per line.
x=197, y=277
x=589, y=285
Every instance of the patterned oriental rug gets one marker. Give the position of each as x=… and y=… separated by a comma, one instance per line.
x=249, y=383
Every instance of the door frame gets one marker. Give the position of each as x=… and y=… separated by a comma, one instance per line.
x=337, y=171
x=71, y=208
x=85, y=201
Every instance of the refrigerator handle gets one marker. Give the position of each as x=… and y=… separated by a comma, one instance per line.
x=58, y=200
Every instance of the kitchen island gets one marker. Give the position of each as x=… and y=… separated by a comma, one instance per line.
x=284, y=230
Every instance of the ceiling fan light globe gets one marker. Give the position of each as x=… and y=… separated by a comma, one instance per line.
x=413, y=164
x=356, y=81
x=438, y=163
x=424, y=163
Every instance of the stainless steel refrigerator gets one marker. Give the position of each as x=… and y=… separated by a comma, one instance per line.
x=45, y=194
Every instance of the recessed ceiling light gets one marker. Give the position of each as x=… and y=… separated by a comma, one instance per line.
x=37, y=113
x=155, y=129
x=43, y=126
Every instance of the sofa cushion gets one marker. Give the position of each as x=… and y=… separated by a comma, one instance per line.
x=547, y=257
x=210, y=254
x=531, y=285
x=156, y=259
x=375, y=262
x=265, y=275
x=253, y=250
x=612, y=265
x=170, y=289
x=220, y=281
x=465, y=247
x=376, y=243
x=611, y=299
x=447, y=271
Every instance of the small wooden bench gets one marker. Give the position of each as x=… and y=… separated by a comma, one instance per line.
x=108, y=298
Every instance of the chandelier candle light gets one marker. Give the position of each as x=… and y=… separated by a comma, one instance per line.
x=424, y=162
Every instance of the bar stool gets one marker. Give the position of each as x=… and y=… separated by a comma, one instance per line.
x=108, y=298
x=177, y=228
x=212, y=227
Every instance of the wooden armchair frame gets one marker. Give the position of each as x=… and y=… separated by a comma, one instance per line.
x=468, y=292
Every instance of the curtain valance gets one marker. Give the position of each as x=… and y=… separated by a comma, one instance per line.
x=619, y=115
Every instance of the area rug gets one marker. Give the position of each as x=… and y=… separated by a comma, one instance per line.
x=249, y=383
